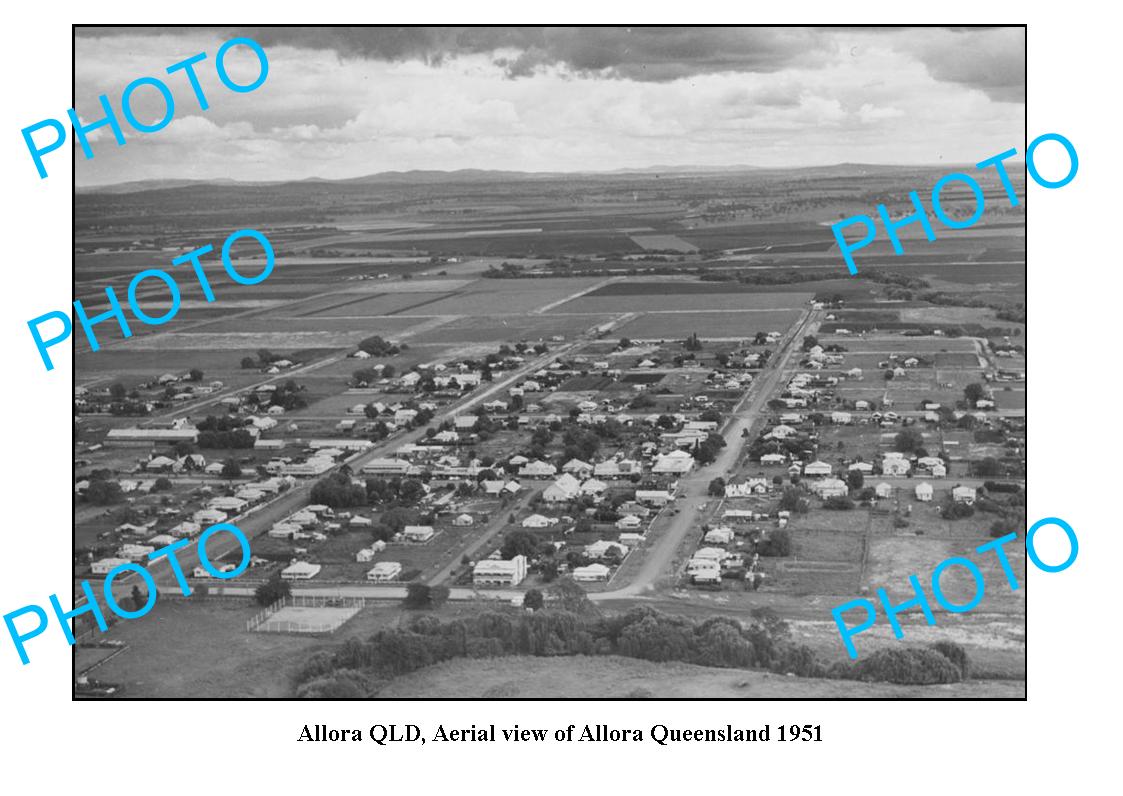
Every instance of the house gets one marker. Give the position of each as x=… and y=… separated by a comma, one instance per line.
x=564, y=489
x=591, y=573
x=883, y=490
x=496, y=488
x=817, y=469
x=536, y=521
x=984, y=403
x=465, y=422
x=301, y=570
x=923, y=491
x=964, y=494
x=228, y=504
x=209, y=516
x=593, y=488
x=418, y=534
x=628, y=521
x=386, y=467
x=829, y=487
x=895, y=465
x=842, y=418
x=865, y=468
x=653, y=497
x=719, y=536
x=103, y=566
x=464, y=521
x=939, y=470
x=538, y=469
x=159, y=463
x=578, y=468
x=676, y=463
x=773, y=458
x=492, y=572
x=384, y=571
x=753, y=486
x=601, y=548
x=364, y=555
x=780, y=432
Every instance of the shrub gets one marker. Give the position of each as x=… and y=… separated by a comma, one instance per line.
x=908, y=666
x=956, y=654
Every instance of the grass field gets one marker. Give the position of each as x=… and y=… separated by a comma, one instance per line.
x=673, y=301
x=598, y=678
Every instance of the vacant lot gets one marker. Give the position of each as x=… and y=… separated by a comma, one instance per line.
x=612, y=677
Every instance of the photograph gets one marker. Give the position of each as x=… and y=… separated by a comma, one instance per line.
x=546, y=363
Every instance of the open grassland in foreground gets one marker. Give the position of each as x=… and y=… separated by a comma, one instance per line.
x=583, y=677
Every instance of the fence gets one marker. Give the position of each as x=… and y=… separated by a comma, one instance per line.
x=338, y=609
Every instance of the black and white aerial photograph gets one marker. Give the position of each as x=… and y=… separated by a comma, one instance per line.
x=425, y=363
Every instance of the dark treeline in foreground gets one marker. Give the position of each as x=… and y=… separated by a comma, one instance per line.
x=362, y=668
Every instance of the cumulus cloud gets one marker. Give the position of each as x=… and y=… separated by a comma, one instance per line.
x=345, y=102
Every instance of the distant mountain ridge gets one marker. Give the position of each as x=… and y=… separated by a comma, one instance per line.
x=432, y=176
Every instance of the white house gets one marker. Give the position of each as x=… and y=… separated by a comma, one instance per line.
x=923, y=491
x=492, y=572
x=896, y=465
x=865, y=468
x=538, y=469
x=463, y=521
x=816, y=469
x=773, y=458
x=418, y=533
x=964, y=494
x=384, y=571
x=591, y=573
x=628, y=521
x=719, y=536
x=577, y=467
x=676, y=462
x=601, y=548
x=536, y=521
x=564, y=489
x=842, y=418
x=883, y=490
x=829, y=487
x=301, y=570
x=103, y=566
x=653, y=497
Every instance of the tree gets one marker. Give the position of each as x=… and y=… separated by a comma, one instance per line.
x=117, y=391
x=519, y=543
x=162, y=484
x=855, y=479
x=420, y=596
x=717, y=487
x=138, y=601
x=195, y=375
x=231, y=468
x=102, y=493
x=569, y=596
x=908, y=440
x=974, y=392
x=249, y=363
x=272, y=590
x=533, y=599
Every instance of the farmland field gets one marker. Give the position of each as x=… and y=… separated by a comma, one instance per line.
x=732, y=323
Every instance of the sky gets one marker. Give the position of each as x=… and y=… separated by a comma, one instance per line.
x=345, y=102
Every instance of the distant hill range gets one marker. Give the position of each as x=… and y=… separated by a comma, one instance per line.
x=424, y=177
